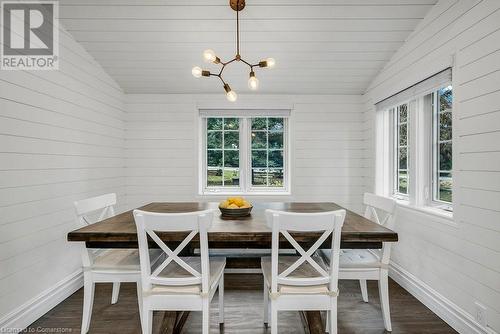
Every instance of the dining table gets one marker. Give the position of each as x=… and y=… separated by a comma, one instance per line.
x=249, y=232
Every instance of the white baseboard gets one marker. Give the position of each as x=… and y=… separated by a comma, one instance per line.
x=32, y=310
x=451, y=313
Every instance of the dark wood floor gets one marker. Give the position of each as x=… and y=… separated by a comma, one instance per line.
x=243, y=312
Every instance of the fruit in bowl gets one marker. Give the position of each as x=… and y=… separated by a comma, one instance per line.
x=235, y=207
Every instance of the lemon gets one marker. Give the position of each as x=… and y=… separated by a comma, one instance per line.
x=246, y=205
x=239, y=201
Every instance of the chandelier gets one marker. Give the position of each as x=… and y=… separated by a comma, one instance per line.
x=210, y=57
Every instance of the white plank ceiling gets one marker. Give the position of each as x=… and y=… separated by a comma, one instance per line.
x=320, y=46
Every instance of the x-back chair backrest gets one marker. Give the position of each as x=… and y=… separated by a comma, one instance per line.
x=149, y=223
x=330, y=223
x=381, y=211
x=101, y=207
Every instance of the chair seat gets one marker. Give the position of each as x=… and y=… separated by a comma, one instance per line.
x=122, y=259
x=303, y=271
x=173, y=270
x=358, y=258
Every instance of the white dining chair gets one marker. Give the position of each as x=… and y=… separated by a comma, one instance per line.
x=179, y=283
x=372, y=264
x=105, y=265
x=305, y=282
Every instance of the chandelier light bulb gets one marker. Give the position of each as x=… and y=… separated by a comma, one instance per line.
x=232, y=96
x=270, y=62
x=196, y=72
x=253, y=82
x=209, y=56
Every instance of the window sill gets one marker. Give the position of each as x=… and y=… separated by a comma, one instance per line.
x=436, y=214
x=256, y=193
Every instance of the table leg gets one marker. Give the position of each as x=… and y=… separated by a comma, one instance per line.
x=171, y=322
x=314, y=323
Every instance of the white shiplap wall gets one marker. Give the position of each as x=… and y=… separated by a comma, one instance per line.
x=61, y=139
x=461, y=259
x=328, y=147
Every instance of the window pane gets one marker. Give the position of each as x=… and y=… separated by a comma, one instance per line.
x=445, y=131
x=445, y=187
x=231, y=123
x=214, y=158
x=276, y=124
x=231, y=158
x=403, y=182
x=259, y=140
x=259, y=123
x=276, y=140
x=214, y=177
x=231, y=177
x=403, y=139
x=445, y=98
x=214, y=139
x=275, y=158
x=276, y=178
x=231, y=139
x=403, y=158
x=259, y=159
x=214, y=123
x=445, y=158
x=259, y=176
x=403, y=113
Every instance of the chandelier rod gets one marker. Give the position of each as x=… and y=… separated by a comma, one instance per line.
x=238, y=32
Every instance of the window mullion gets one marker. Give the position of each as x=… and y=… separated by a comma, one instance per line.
x=244, y=154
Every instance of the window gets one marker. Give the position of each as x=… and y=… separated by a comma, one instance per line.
x=401, y=150
x=267, y=152
x=244, y=154
x=415, y=144
x=223, y=153
x=442, y=145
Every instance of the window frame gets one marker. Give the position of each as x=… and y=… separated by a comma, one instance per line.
x=433, y=199
x=245, y=159
x=395, y=130
x=422, y=134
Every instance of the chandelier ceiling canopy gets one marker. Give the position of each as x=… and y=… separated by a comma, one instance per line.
x=210, y=57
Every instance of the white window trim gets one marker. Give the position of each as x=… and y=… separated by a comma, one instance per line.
x=245, y=186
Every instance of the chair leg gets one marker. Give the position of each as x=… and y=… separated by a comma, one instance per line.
x=327, y=322
x=364, y=290
x=88, y=301
x=274, y=318
x=147, y=321
x=205, y=326
x=115, y=293
x=333, y=316
x=266, y=305
x=383, y=288
x=139, y=300
x=221, y=300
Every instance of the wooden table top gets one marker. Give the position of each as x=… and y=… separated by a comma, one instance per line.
x=248, y=232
